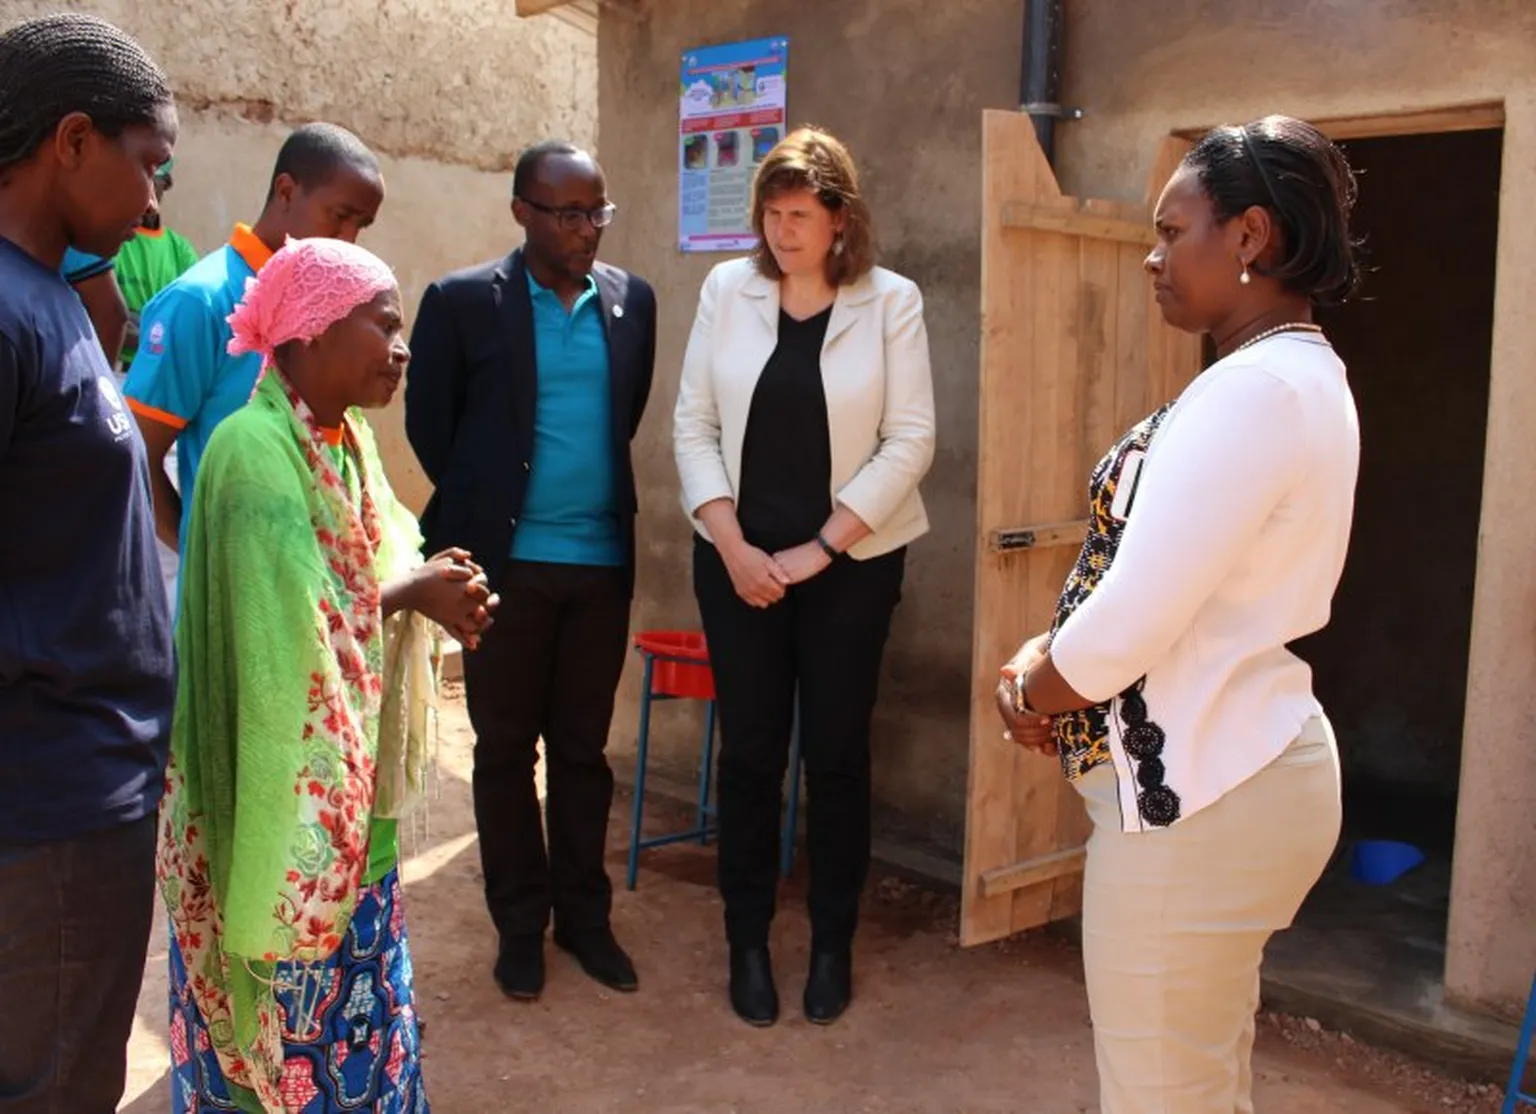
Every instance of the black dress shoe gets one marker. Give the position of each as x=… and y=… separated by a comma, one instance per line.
x=601, y=957
x=829, y=988
x=753, y=995
x=519, y=967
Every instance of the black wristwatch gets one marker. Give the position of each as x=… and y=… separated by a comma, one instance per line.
x=826, y=547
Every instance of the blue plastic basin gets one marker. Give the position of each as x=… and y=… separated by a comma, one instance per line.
x=1380, y=862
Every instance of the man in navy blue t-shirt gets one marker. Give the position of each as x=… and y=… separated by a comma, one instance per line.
x=86, y=667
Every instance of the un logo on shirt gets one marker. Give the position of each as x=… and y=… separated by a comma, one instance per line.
x=118, y=421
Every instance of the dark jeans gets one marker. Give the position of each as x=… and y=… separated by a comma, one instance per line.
x=548, y=667
x=826, y=637
x=74, y=927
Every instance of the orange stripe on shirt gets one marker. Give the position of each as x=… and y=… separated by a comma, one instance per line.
x=332, y=437
x=154, y=414
x=249, y=247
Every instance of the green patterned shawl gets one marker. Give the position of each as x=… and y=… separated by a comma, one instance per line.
x=301, y=716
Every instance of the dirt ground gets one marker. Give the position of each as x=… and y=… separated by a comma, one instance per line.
x=933, y=1029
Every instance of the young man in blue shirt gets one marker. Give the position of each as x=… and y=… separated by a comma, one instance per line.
x=528, y=381
x=183, y=381
x=86, y=669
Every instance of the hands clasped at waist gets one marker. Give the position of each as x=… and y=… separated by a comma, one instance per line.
x=761, y=579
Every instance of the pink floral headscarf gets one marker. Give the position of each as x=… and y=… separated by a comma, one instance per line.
x=303, y=290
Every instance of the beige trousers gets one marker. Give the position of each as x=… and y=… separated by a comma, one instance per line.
x=1175, y=922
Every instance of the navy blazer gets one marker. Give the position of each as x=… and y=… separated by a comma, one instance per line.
x=471, y=393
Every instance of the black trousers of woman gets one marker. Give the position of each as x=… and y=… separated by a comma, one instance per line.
x=826, y=638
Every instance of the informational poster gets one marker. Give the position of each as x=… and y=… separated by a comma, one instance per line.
x=732, y=114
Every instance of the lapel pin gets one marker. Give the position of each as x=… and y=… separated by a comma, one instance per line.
x=618, y=311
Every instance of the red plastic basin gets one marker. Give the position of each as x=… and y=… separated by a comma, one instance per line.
x=682, y=663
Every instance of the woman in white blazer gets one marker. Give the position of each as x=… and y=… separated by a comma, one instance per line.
x=1217, y=534
x=803, y=426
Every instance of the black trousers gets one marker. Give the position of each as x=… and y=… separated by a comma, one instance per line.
x=74, y=927
x=826, y=638
x=548, y=667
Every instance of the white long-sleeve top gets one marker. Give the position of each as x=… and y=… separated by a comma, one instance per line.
x=1233, y=547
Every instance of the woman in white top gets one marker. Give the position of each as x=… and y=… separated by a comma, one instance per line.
x=803, y=425
x=1218, y=532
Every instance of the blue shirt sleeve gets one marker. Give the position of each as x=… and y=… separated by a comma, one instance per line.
x=79, y=266
x=179, y=354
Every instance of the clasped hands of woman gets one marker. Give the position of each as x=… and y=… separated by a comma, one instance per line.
x=452, y=591
x=1030, y=730
x=761, y=579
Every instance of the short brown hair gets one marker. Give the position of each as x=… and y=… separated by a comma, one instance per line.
x=811, y=159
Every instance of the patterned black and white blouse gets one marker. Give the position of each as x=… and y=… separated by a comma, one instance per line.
x=1082, y=737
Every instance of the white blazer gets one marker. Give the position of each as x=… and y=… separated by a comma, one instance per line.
x=879, y=388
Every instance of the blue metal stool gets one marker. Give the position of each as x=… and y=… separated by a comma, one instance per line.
x=1513, y=1096
x=677, y=668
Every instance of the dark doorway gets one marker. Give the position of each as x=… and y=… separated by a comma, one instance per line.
x=1391, y=668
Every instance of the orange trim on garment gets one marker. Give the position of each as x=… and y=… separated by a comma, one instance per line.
x=249, y=247
x=332, y=436
x=164, y=417
x=156, y=233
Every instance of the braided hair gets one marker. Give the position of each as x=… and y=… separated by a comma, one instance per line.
x=1290, y=168
x=59, y=64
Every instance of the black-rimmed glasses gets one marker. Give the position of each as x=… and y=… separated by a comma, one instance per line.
x=570, y=219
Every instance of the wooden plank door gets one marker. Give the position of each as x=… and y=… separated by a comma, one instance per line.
x=1073, y=353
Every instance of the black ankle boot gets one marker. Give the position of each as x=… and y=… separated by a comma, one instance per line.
x=753, y=995
x=601, y=957
x=829, y=988
x=519, y=967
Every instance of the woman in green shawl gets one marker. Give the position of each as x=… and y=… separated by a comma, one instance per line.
x=302, y=715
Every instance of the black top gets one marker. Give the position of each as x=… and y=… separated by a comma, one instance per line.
x=86, y=673
x=786, y=455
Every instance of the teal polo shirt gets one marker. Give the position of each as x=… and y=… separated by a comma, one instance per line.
x=183, y=375
x=571, y=510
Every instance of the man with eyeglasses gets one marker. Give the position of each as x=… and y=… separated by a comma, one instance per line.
x=528, y=380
